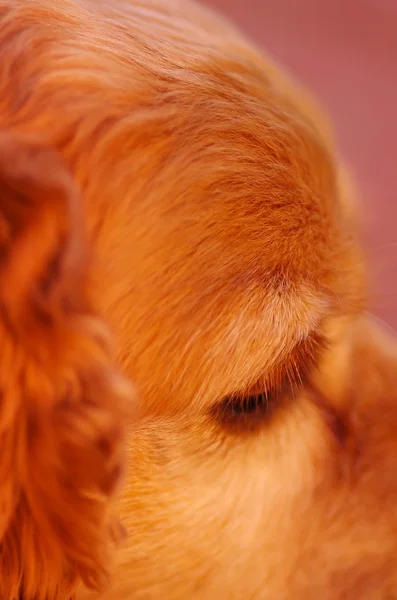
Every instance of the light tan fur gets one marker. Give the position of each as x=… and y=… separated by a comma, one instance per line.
x=158, y=175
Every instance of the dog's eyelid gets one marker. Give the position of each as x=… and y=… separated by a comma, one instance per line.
x=287, y=380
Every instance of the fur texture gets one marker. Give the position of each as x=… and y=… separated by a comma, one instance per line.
x=159, y=175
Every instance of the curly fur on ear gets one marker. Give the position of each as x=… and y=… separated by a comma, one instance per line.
x=62, y=400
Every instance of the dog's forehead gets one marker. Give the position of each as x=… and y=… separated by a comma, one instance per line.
x=218, y=190
x=228, y=258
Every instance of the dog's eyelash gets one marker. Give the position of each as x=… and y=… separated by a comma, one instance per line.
x=245, y=413
x=261, y=403
x=248, y=404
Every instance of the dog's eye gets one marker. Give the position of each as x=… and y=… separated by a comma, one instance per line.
x=252, y=403
x=248, y=410
x=256, y=406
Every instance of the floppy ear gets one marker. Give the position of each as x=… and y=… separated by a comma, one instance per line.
x=62, y=404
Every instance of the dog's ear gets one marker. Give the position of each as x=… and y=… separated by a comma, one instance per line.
x=63, y=403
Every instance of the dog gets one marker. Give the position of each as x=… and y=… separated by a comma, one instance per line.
x=196, y=403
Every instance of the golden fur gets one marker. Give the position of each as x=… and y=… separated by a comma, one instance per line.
x=159, y=176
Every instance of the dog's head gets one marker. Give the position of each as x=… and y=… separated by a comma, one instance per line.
x=230, y=266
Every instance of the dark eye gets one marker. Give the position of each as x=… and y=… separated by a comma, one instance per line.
x=256, y=406
x=248, y=411
x=249, y=404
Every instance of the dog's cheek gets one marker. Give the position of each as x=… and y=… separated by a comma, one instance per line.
x=209, y=515
x=294, y=510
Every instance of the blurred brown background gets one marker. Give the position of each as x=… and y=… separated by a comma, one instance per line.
x=346, y=52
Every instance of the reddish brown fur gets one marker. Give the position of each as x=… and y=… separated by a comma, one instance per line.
x=62, y=408
x=160, y=176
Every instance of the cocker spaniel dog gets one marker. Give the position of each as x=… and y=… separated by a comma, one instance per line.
x=195, y=403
